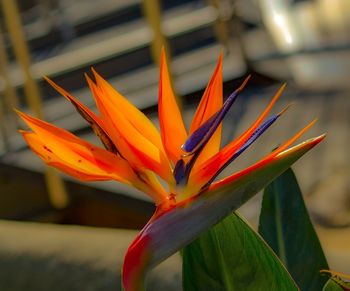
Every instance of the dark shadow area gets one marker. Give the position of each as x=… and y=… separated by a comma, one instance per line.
x=24, y=197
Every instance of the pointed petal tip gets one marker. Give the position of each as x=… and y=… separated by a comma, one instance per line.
x=163, y=59
x=221, y=56
x=162, y=51
x=308, y=144
x=240, y=88
x=21, y=114
x=58, y=88
x=306, y=128
x=96, y=75
x=281, y=89
x=47, y=79
x=24, y=132
x=285, y=109
x=88, y=79
x=317, y=139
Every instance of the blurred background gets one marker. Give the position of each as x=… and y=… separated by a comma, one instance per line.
x=305, y=43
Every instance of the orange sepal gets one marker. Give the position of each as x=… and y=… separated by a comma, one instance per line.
x=172, y=128
x=210, y=103
x=132, y=114
x=133, y=145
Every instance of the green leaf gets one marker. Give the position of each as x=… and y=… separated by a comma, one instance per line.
x=232, y=256
x=286, y=227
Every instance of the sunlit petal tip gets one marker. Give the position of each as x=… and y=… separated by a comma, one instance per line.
x=309, y=143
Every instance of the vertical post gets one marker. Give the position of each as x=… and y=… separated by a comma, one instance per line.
x=3, y=132
x=55, y=185
x=152, y=11
x=221, y=26
x=228, y=23
x=9, y=97
x=20, y=48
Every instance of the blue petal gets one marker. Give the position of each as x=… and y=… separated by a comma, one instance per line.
x=199, y=138
x=258, y=132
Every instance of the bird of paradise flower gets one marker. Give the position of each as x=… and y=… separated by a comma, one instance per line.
x=138, y=155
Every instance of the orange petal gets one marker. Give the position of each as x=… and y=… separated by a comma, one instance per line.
x=133, y=145
x=88, y=115
x=132, y=114
x=210, y=103
x=172, y=128
x=210, y=167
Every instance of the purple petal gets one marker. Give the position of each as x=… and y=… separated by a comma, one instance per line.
x=258, y=132
x=199, y=138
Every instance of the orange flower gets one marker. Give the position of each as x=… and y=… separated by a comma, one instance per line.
x=138, y=155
